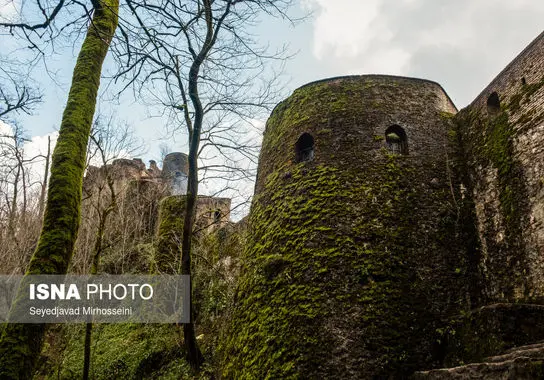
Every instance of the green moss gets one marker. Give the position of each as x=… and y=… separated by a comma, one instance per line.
x=393, y=137
x=122, y=351
x=168, y=251
x=328, y=270
x=339, y=100
x=496, y=147
x=325, y=131
x=489, y=140
x=516, y=100
x=447, y=115
x=295, y=260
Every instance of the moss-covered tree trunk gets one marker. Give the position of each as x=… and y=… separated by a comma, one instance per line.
x=20, y=344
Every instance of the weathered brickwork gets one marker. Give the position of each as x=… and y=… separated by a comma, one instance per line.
x=505, y=155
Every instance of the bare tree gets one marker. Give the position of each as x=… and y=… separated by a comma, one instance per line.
x=13, y=163
x=214, y=77
x=108, y=142
x=16, y=95
x=20, y=344
x=16, y=170
x=43, y=189
x=18, y=218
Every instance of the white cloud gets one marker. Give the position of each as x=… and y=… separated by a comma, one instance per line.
x=38, y=144
x=461, y=44
x=5, y=128
x=384, y=61
x=8, y=9
x=342, y=27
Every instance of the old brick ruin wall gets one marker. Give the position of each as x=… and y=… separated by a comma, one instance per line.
x=142, y=188
x=123, y=171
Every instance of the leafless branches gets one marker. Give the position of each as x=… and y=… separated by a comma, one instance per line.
x=171, y=50
x=23, y=100
x=41, y=21
x=199, y=60
x=15, y=95
x=20, y=203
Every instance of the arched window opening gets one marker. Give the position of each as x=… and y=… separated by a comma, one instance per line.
x=304, y=148
x=216, y=216
x=396, y=139
x=493, y=104
x=523, y=81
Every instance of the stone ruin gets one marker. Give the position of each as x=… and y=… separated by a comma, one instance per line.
x=171, y=180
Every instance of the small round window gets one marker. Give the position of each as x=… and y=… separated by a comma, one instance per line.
x=216, y=216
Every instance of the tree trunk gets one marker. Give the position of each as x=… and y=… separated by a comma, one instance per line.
x=87, y=351
x=45, y=176
x=20, y=344
x=97, y=251
x=23, y=177
x=13, y=210
x=194, y=356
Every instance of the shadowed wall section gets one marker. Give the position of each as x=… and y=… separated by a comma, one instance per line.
x=502, y=133
x=354, y=257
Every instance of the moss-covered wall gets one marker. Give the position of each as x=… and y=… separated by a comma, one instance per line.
x=169, y=233
x=505, y=156
x=168, y=251
x=212, y=212
x=355, y=259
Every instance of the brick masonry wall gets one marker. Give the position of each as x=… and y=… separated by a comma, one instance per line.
x=505, y=154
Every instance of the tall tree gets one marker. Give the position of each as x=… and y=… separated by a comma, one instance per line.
x=20, y=344
x=215, y=77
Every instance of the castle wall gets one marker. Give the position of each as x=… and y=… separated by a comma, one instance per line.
x=504, y=146
x=354, y=252
x=212, y=211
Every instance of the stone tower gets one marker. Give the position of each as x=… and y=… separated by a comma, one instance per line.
x=354, y=247
x=175, y=167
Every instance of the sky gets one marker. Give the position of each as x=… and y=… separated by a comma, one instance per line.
x=460, y=44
